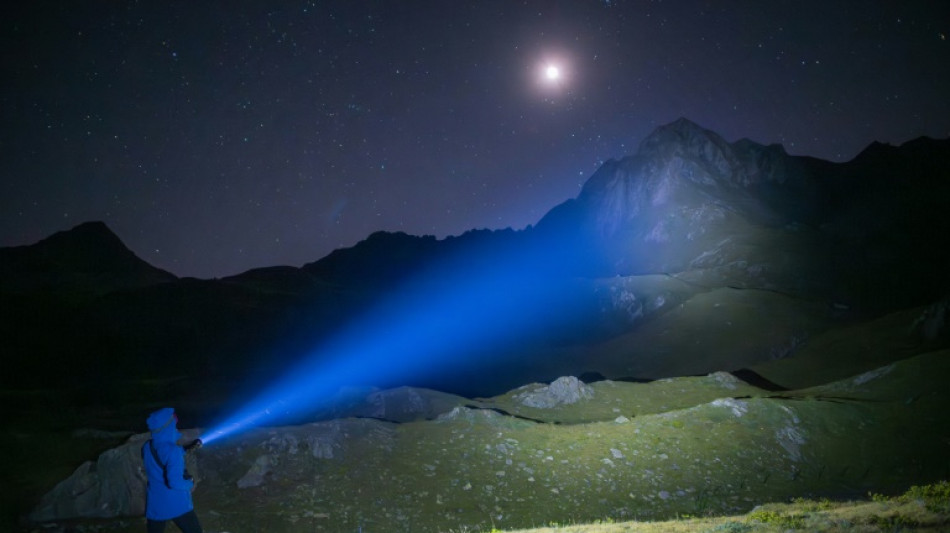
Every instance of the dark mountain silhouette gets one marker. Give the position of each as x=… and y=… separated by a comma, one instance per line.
x=384, y=259
x=86, y=260
x=739, y=248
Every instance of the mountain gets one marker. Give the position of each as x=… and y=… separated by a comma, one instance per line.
x=691, y=256
x=685, y=190
x=859, y=232
x=81, y=303
x=44, y=287
x=681, y=268
x=86, y=260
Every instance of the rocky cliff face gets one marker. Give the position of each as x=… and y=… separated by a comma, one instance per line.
x=689, y=200
x=684, y=191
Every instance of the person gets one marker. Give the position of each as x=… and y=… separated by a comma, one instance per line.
x=168, y=496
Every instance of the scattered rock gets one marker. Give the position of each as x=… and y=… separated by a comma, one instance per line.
x=738, y=407
x=725, y=379
x=564, y=390
x=872, y=374
x=255, y=476
x=792, y=439
x=466, y=413
x=407, y=404
x=323, y=441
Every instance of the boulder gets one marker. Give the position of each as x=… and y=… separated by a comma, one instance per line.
x=112, y=485
x=564, y=390
x=255, y=476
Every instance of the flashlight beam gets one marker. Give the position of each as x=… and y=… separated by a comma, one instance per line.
x=473, y=303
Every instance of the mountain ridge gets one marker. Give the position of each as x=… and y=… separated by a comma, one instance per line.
x=744, y=163
x=690, y=214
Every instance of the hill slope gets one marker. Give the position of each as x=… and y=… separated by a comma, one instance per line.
x=697, y=446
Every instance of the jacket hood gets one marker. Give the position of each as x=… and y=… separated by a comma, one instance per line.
x=164, y=425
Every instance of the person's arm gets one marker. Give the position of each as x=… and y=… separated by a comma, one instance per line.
x=176, y=470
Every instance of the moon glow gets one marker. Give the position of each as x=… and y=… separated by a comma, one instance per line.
x=552, y=73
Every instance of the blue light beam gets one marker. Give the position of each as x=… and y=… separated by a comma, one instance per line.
x=473, y=303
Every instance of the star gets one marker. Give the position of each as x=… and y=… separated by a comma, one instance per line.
x=317, y=98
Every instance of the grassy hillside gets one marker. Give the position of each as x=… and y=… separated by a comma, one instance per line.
x=480, y=469
x=613, y=399
x=851, y=350
x=724, y=328
x=921, y=508
x=706, y=446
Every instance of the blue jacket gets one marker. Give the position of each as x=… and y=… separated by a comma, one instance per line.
x=169, y=493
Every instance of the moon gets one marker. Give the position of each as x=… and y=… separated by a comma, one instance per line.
x=552, y=74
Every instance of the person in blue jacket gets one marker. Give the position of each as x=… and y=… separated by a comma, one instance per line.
x=169, y=486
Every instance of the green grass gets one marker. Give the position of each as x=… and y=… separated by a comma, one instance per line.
x=723, y=328
x=479, y=469
x=921, y=508
x=613, y=399
x=700, y=447
x=848, y=351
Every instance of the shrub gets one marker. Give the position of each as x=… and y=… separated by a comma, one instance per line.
x=895, y=522
x=794, y=521
x=812, y=506
x=936, y=496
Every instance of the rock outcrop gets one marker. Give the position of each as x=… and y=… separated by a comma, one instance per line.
x=563, y=390
x=112, y=485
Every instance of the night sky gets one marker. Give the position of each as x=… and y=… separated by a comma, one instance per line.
x=215, y=137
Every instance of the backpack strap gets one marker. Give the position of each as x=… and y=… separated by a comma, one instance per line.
x=158, y=461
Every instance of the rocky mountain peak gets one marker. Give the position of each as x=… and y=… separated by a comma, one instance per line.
x=683, y=154
x=685, y=188
x=743, y=163
x=685, y=138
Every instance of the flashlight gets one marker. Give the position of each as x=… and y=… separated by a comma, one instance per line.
x=193, y=445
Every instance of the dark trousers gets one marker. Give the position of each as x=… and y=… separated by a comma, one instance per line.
x=187, y=523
